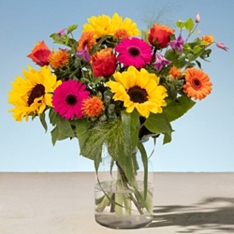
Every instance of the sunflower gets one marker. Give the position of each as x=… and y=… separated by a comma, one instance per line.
x=104, y=25
x=134, y=51
x=68, y=98
x=31, y=95
x=123, y=28
x=197, y=83
x=99, y=25
x=138, y=89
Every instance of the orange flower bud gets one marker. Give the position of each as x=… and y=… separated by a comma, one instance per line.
x=40, y=54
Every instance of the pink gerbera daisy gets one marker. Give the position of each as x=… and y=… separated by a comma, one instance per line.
x=68, y=99
x=134, y=52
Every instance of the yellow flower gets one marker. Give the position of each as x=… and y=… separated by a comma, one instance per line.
x=138, y=89
x=115, y=26
x=33, y=93
x=99, y=25
x=123, y=28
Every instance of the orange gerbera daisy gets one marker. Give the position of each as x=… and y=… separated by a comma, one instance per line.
x=197, y=83
x=59, y=58
x=175, y=72
x=208, y=38
x=92, y=107
x=86, y=39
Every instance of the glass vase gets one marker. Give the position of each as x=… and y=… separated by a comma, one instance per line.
x=120, y=204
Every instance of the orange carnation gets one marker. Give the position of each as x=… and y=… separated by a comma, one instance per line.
x=197, y=83
x=40, y=54
x=103, y=63
x=159, y=35
x=175, y=72
x=59, y=58
x=208, y=38
x=92, y=107
x=121, y=34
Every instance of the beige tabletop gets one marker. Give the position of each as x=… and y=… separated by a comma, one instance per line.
x=62, y=203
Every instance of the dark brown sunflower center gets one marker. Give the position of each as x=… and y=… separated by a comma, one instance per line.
x=71, y=100
x=196, y=83
x=137, y=94
x=37, y=91
x=134, y=51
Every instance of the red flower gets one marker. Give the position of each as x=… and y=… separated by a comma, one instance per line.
x=103, y=63
x=40, y=54
x=159, y=36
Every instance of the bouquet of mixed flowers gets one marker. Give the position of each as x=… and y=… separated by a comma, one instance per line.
x=113, y=88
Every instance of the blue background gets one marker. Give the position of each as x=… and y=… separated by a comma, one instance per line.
x=203, y=139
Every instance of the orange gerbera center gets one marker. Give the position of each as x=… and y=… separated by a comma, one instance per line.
x=58, y=59
x=175, y=72
x=86, y=39
x=92, y=107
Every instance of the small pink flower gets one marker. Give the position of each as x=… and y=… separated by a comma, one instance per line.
x=160, y=62
x=197, y=18
x=61, y=32
x=221, y=46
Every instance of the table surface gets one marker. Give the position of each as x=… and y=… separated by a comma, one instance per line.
x=62, y=203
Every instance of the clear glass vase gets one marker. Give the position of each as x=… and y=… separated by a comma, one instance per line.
x=120, y=204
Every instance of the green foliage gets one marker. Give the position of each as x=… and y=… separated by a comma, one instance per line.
x=177, y=108
x=158, y=123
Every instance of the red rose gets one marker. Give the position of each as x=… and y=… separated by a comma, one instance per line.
x=40, y=54
x=159, y=35
x=103, y=63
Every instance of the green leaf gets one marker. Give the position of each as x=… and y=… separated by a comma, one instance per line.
x=180, y=24
x=189, y=24
x=54, y=135
x=65, y=128
x=43, y=121
x=145, y=166
x=96, y=47
x=82, y=132
x=158, y=123
x=53, y=116
x=71, y=28
x=128, y=146
x=196, y=49
x=175, y=109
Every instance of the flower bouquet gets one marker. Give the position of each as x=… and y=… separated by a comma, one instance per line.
x=112, y=90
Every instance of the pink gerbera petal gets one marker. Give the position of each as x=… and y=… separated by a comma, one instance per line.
x=134, y=52
x=68, y=98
